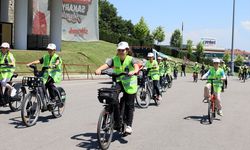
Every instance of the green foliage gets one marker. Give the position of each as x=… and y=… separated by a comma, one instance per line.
x=200, y=51
x=189, y=46
x=176, y=39
x=109, y=20
x=141, y=29
x=159, y=34
x=226, y=58
x=239, y=60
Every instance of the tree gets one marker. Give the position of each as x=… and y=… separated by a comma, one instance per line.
x=159, y=34
x=189, y=47
x=239, y=60
x=141, y=30
x=199, y=51
x=226, y=58
x=176, y=39
x=109, y=21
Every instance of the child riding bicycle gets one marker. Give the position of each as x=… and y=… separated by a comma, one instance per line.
x=128, y=84
x=217, y=73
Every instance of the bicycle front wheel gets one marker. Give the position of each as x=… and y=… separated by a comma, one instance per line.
x=15, y=103
x=30, y=109
x=142, y=98
x=105, y=129
x=210, y=112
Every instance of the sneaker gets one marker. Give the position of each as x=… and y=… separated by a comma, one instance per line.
x=159, y=98
x=220, y=113
x=205, y=100
x=128, y=129
x=13, y=92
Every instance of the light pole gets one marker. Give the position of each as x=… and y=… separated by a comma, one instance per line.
x=232, y=46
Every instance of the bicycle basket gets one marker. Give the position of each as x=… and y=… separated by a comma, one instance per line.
x=32, y=82
x=108, y=95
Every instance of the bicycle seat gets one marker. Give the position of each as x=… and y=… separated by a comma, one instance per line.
x=15, y=75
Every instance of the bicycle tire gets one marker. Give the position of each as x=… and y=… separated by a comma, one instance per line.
x=104, y=119
x=210, y=112
x=28, y=105
x=142, y=96
x=16, y=104
x=60, y=106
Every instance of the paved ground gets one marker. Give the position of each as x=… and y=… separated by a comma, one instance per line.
x=179, y=123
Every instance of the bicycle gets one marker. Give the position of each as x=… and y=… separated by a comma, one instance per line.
x=15, y=101
x=244, y=75
x=169, y=80
x=195, y=77
x=142, y=99
x=212, y=109
x=146, y=92
x=109, y=97
x=38, y=99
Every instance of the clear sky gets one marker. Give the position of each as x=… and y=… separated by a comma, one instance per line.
x=202, y=18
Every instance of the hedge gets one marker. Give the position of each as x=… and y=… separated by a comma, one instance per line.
x=116, y=38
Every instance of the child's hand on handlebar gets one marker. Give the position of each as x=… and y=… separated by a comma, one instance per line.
x=131, y=73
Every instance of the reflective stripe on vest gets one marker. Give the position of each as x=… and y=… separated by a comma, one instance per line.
x=55, y=73
x=153, y=73
x=6, y=71
x=216, y=74
x=129, y=82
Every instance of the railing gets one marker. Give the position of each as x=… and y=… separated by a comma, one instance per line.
x=67, y=74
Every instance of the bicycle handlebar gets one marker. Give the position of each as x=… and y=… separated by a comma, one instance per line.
x=114, y=74
x=7, y=65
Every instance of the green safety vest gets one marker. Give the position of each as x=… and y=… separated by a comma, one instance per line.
x=162, y=69
x=55, y=73
x=216, y=74
x=5, y=71
x=225, y=68
x=129, y=83
x=196, y=68
x=167, y=68
x=153, y=73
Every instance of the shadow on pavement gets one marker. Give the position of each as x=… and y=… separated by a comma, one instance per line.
x=17, y=121
x=108, y=82
x=5, y=112
x=88, y=141
x=202, y=119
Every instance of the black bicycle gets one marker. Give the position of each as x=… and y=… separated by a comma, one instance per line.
x=109, y=97
x=15, y=101
x=164, y=83
x=195, y=76
x=142, y=96
x=38, y=99
x=169, y=80
x=146, y=92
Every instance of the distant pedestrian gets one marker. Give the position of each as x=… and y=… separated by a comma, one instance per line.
x=183, y=69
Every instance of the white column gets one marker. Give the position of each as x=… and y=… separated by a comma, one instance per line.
x=56, y=23
x=21, y=24
x=30, y=16
x=4, y=10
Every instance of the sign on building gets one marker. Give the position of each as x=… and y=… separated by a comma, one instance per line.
x=209, y=42
x=80, y=20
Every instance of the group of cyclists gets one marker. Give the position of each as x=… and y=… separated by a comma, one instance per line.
x=123, y=62
x=243, y=72
x=157, y=69
x=50, y=76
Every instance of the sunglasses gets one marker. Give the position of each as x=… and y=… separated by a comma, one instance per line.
x=121, y=50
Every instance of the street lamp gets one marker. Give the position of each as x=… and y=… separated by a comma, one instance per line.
x=232, y=46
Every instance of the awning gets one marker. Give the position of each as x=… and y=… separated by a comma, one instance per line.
x=161, y=55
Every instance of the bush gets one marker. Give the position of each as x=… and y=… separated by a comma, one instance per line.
x=116, y=38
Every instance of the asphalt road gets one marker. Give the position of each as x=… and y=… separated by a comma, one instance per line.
x=179, y=123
